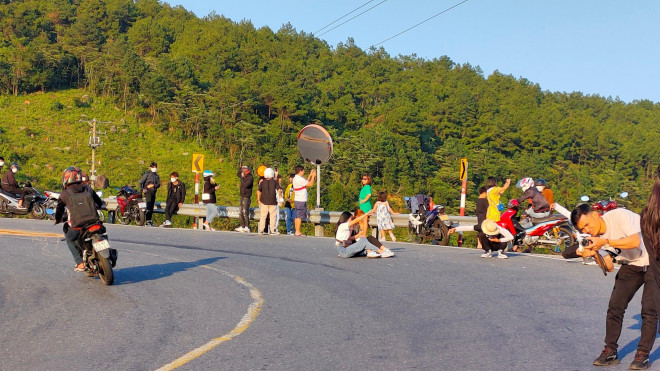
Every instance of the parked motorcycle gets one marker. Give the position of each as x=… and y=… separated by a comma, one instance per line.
x=33, y=202
x=426, y=222
x=604, y=206
x=553, y=232
x=98, y=257
x=130, y=206
x=51, y=205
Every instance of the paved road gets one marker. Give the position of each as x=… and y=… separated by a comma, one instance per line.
x=306, y=309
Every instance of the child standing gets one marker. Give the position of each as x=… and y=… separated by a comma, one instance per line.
x=384, y=216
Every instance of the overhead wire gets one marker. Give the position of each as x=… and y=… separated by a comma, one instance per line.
x=424, y=21
x=350, y=19
x=343, y=16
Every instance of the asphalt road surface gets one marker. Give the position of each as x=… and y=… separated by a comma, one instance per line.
x=231, y=301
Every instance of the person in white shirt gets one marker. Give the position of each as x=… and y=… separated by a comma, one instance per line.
x=349, y=245
x=494, y=238
x=300, y=185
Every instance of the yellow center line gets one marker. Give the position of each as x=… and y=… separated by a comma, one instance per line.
x=29, y=234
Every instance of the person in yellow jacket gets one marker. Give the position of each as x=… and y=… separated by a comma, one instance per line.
x=289, y=209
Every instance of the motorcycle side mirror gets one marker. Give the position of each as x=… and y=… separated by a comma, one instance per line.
x=584, y=198
x=623, y=195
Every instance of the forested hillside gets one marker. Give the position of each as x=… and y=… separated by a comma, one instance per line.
x=241, y=94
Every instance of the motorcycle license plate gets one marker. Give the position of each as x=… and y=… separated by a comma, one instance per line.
x=101, y=245
x=142, y=205
x=444, y=217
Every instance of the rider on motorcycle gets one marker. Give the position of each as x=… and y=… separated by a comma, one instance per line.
x=540, y=207
x=547, y=192
x=9, y=184
x=82, y=205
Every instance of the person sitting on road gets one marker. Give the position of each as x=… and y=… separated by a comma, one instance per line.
x=350, y=245
x=540, y=208
x=176, y=195
x=9, y=184
x=493, y=237
x=82, y=204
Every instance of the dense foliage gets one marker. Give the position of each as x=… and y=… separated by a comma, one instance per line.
x=242, y=94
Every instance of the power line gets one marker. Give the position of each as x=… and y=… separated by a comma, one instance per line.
x=350, y=19
x=424, y=21
x=345, y=15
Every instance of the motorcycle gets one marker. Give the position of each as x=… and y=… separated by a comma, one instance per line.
x=98, y=257
x=604, y=206
x=553, y=232
x=33, y=201
x=51, y=205
x=428, y=225
x=130, y=206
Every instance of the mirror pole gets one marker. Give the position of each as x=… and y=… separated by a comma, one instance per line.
x=318, y=186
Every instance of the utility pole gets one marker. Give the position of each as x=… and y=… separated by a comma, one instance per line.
x=94, y=142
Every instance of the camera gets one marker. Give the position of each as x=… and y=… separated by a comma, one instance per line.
x=585, y=242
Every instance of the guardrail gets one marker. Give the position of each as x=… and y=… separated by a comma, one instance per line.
x=316, y=217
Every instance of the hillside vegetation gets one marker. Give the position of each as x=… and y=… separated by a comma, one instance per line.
x=174, y=84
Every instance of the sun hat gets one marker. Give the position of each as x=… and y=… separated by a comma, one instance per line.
x=490, y=228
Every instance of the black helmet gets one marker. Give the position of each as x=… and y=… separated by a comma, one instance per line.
x=71, y=175
x=13, y=164
x=540, y=182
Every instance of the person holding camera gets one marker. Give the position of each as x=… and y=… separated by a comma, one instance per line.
x=620, y=230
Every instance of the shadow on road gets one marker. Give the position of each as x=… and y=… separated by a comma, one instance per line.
x=631, y=347
x=143, y=273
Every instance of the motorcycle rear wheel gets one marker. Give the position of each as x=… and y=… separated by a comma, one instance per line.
x=440, y=233
x=106, y=274
x=138, y=214
x=566, y=235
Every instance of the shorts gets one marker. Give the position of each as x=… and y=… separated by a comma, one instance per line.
x=301, y=210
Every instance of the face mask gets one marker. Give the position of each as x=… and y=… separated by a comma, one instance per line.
x=153, y=169
x=173, y=180
x=14, y=170
x=2, y=163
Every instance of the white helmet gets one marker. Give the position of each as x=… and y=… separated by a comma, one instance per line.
x=269, y=173
x=525, y=183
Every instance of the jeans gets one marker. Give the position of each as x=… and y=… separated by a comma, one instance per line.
x=150, y=198
x=211, y=212
x=534, y=214
x=629, y=279
x=356, y=248
x=244, y=212
x=71, y=239
x=290, y=214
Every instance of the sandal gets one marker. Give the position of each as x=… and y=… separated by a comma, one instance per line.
x=79, y=268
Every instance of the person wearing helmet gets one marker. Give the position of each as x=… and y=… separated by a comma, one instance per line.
x=245, y=190
x=149, y=184
x=176, y=195
x=208, y=198
x=9, y=184
x=268, y=189
x=82, y=205
x=547, y=192
x=540, y=208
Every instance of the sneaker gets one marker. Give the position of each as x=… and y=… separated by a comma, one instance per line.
x=166, y=223
x=276, y=233
x=246, y=230
x=607, y=357
x=387, y=253
x=501, y=255
x=487, y=254
x=373, y=254
x=238, y=229
x=290, y=233
x=641, y=361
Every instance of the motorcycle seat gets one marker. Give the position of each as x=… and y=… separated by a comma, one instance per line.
x=552, y=217
x=9, y=194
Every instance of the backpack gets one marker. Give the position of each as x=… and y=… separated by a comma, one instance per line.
x=82, y=210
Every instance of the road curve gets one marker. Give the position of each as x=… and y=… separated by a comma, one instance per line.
x=280, y=302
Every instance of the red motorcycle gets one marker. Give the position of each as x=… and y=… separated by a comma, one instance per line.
x=553, y=232
x=130, y=206
x=604, y=206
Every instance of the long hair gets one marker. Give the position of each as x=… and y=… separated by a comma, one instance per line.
x=343, y=218
x=650, y=218
x=369, y=180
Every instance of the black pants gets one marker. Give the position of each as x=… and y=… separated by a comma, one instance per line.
x=244, y=212
x=629, y=279
x=374, y=241
x=150, y=198
x=17, y=191
x=489, y=245
x=171, y=207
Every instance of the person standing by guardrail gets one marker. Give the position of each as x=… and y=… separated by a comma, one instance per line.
x=245, y=190
x=493, y=193
x=300, y=185
x=289, y=210
x=208, y=198
x=365, y=193
x=176, y=195
x=268, y=189
x=149, y=184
